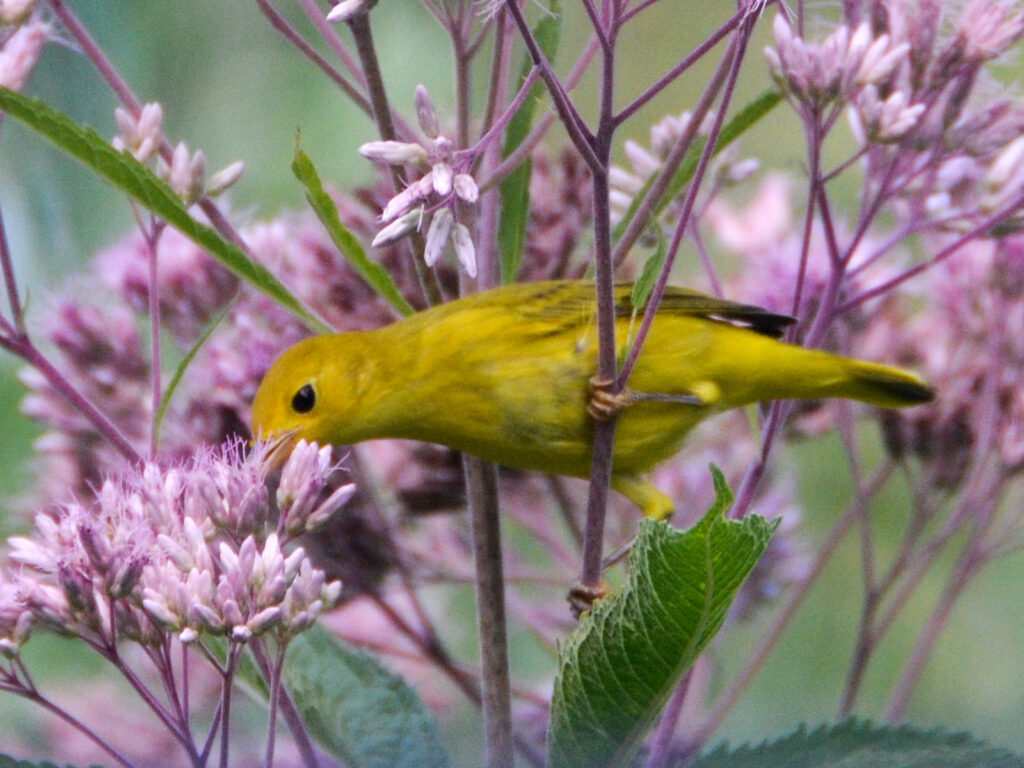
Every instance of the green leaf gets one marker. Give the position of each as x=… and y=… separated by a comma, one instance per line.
x=142, y=185
x=372, y=272
x=860, y=744
x=515, y=189
x=365, y=715
x=10, y=762
x=732, y=130
x=628, y=654
x=186, y=361
x=644, y=284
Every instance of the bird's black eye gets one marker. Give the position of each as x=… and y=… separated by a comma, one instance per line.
x=304, y=399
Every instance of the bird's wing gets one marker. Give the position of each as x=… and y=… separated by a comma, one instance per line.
x=564, y=303
x=686, y=302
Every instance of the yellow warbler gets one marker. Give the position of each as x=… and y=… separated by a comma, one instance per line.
x=504, y=374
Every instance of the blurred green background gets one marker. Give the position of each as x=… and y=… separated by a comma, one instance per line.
x=233, y=87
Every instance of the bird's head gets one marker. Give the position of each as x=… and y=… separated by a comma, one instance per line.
x=307, y=394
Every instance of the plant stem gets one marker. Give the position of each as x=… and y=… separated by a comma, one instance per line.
x=654, y=195
x=728, y=72
x=289, y=711
x=278, y=22
x=27, y=351
x=275, y=696
x=571, y=119
x=482, y=493
x=604, y=286
x=10, y=282
x=37, y=698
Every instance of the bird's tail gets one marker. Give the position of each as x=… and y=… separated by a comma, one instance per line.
x=826, y=375
x=884, y=385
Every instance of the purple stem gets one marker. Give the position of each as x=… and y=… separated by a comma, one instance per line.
x=280, y=23
x=966, y=568
x=599, y=26
x=151, y=236
x=498, y=82
x=669, y=77
x=662, y=740
x=728, y=72
x=814, y=150
x=23, y=348
x=578, y=133
x=482, y=493
x=37, y=698
x=275, y=695
x=520, y=153
x=501, y=123
x=604, y=287
x=977, y=232
x=645, y=211
x=292, y=718
x=227, y=684
x=11, y=283
x=318, y=19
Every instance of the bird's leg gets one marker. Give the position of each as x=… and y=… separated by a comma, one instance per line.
x=582, y=597
x=603, y=403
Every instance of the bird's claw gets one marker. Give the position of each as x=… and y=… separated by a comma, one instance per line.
x=583, y=596
x=603, y=404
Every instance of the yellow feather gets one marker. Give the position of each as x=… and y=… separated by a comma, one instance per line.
x=504, y=374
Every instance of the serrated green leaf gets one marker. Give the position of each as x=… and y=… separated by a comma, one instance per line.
x=630, y=652
x=142, y=185
x=9, y=762
x=365, y=715
x=347, y=243
x=860, y=744
x=515, y=189
x=732, y=130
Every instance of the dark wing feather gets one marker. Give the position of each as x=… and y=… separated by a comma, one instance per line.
x=562, y=303
x=686, y=302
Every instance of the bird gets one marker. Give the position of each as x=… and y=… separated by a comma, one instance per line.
x=508, y=375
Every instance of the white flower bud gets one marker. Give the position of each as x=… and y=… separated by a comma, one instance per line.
x=437, y=236
x=394, y=152
x=465, y=251
x=425, y=112
x=398, y=229
x=20, y=53
x=15, y=11
x=442, y=175
x=408, y=197
x=345, y=10
x=225, y=178
x=466, y=188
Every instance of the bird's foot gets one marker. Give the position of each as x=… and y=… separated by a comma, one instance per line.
x=603, y=404
x=583, y=596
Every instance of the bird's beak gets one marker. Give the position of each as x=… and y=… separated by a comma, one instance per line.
x=278, y=447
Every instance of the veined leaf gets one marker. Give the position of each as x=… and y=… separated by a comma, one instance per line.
x=860, y=744
x=515, y=189
x=349, y=245
x=619, y=667
x=142, y=185
x=362, y=713
x=10, y=762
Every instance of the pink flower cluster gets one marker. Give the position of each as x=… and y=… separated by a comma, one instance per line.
x=190, y=549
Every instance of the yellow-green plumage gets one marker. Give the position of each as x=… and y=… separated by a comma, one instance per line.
x=504, y=374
